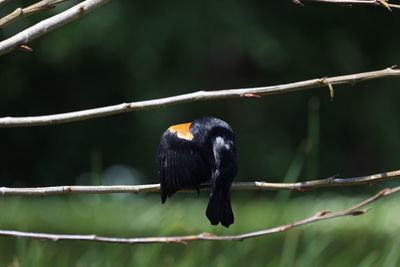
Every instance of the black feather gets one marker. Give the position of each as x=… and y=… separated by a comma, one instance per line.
x=183, y=167
x=210, y=154
x=219, y=208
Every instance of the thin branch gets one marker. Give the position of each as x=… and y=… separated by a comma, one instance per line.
x=22, y=12
x=191, y=97
x=382, y=3
x=135, y=189
x=49, y=24
x=320, y=216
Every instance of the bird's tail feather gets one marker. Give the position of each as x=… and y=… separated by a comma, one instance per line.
x=219, y=209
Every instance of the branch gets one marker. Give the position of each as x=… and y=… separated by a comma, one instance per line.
x=49, y=24
x=22, y=12
x=197, y=96
x=135, y=189
x=320, y=216
x=383, y=3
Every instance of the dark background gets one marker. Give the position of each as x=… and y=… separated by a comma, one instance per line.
x=138, y=50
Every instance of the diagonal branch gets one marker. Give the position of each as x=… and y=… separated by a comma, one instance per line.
x=197, y=96
x=135, y=189
x=320, y=216
x=22, y=12
x=49, y=24
x=382, y=3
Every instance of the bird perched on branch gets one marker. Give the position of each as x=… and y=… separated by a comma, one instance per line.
x=192, y=153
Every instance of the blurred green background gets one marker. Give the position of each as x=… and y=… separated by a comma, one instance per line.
x=139, y=50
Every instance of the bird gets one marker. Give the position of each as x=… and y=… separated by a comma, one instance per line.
x=195, y=152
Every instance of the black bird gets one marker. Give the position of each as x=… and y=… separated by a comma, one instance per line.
x=192, y=153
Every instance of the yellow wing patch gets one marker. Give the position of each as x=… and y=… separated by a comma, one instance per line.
x=182, y=130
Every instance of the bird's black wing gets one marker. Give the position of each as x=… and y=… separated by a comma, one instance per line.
x=180, y=165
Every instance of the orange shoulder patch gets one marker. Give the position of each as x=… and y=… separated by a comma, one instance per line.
x=182, y=130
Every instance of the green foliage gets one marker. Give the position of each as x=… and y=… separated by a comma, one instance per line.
x=366, y=240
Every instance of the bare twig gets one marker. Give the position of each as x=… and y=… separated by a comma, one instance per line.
x=49, y=24
x=22, y=12
x=383, y=3
x=191, y=97
x=320, y=216
x=135, y=189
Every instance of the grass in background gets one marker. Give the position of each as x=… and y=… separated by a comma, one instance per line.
x=306, y=154
x=367, y=240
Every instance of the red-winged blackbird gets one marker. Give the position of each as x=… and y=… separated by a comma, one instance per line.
x=191, y=154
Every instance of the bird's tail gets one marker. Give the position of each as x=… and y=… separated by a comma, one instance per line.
x=219, y=209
